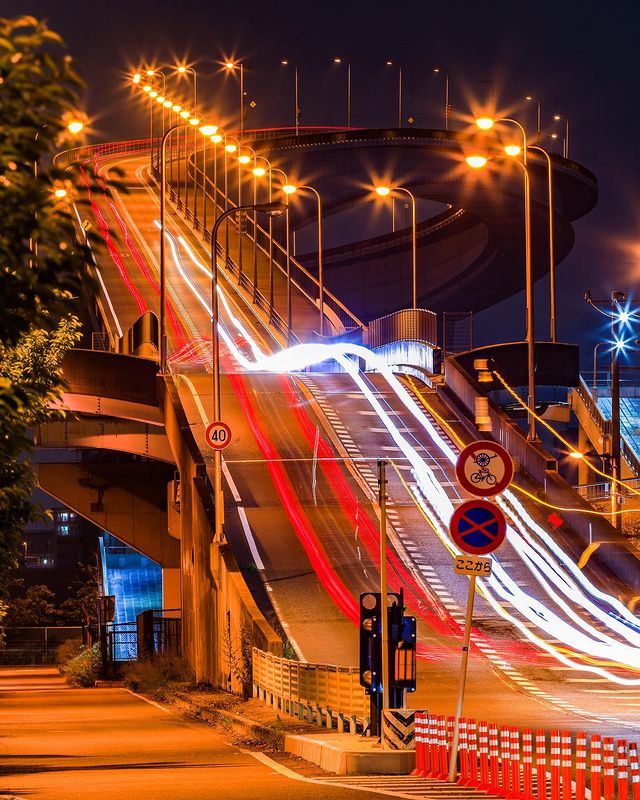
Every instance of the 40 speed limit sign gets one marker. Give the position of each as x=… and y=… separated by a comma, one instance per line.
x=218, y=435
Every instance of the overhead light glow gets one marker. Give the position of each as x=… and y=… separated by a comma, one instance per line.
x=230, y=65
x=512, y=150
x=208, y=130
x=146, y=87
x=150, y=73
x=176, y=108
x=289, y=188
x=182, y=70
x=485, y=123
x=194, y=121
x=75, y=126
x=60, y=193
x=259, y=172
x=244, y=159
x=216, y=138
x=153, y=93
x=137, y=78
x=476, y=162
x=383, y=191
x=230, y=148
x=576, y=455
x=184, y=113
x=167, y=104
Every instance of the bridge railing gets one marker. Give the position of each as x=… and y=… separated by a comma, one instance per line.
x=321, y=693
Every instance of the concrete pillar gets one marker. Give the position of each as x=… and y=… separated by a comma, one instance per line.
x=171, y=589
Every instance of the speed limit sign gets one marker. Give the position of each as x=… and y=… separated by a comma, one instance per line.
x=218, y=435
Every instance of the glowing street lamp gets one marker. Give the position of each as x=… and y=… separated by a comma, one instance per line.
x=385, y=191
x=136, y=78
x=538, y=103
x=290, y=189
x=565, y=148
x=271, y=209
x=288, y=62
x=478, y=162
x=445, y=72
x=392, y=63
x=75, y=126
x=341, y=60
x=230, y=65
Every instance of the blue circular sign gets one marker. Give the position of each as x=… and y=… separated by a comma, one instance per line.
x=478, y=527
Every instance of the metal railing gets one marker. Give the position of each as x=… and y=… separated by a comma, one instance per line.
x=88, y=151
x=593, y=492
x=321, y=693
x=406, y=325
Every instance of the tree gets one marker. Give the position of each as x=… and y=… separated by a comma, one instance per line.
x=86, y=589
x=41, y=264
x=37, y=607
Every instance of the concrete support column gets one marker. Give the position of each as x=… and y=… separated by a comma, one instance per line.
x=171, y=588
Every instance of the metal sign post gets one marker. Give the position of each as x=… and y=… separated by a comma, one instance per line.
x=453, y=771
x=382, y=482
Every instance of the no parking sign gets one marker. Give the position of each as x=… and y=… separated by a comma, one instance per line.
x=478, y=527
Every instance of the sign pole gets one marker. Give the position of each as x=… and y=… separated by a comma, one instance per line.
x=382, y=481
x=462, y=680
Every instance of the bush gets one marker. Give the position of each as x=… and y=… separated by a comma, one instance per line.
x=84, y=669
x=158, y=676
x=67, y=651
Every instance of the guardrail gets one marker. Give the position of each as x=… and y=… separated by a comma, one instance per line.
x=85, y=152
x=409, y=324
x=627, y=452
x=320, y=693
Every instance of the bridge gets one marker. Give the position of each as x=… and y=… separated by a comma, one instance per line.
x=300, y=487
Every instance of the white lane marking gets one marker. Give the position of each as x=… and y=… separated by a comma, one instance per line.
x=147, y=700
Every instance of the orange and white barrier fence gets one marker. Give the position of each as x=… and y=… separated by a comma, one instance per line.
x=526, y=765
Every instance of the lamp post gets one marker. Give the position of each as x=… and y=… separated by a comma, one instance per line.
x=245, y=160
x=478, y=162
x=618, y=319
x=290, y=189
x=207, y=132
x=163, y=278
x=538, y=103
x=183, y=70
x=231, y=65
x=594, y=386
x=552, y=265
x=385, y=191
x=286, y=62
x=565, y=148
x=340, y=60
x=445, y=72
x=273, y=209
x=151, y=73
x=287, y=259
x=392, y=63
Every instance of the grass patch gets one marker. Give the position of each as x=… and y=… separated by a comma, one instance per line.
x=159, y=676
x=84, y=668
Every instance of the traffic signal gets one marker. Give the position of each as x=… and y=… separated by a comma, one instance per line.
x=370, y=643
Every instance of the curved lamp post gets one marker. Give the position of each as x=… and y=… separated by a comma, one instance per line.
x=385, y=191
x=271, y=209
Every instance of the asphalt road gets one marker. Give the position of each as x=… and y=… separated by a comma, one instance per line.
x=58, y=743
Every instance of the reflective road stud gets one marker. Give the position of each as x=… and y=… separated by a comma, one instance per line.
x=623, y=771
x=581, y=765
x=635, y=770
x=541, y=765
x=609, y=782
x=566, y=765
x=596, y=768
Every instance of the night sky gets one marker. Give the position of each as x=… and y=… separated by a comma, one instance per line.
x=579, y=58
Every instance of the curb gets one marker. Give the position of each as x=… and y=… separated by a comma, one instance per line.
x=241, y=725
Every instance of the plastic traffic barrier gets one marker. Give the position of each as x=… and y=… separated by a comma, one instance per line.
x=596, y=768
x=581, y=765
x=634, y=768
x=527, y=764
x=541, y=765
x=623, y=770
x=555, y=765
x=608, y=768
x=565, y=764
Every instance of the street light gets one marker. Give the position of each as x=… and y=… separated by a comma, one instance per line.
x=479, y=162
x=538, y=103
x=288, y=62
x=230, y=65
x=385, y=191
x=75, y=126
x=552, y=264
x=618, y=319
x=445, y=72
x=392, y=63
x=182, y=69
x=290, y=189
x=271, y=209
x=163, y=278
x=340, y=60
x=207, y=132
x=565, y=149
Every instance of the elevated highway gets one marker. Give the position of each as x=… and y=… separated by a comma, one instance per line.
x=471, y=255
x=300, y=495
